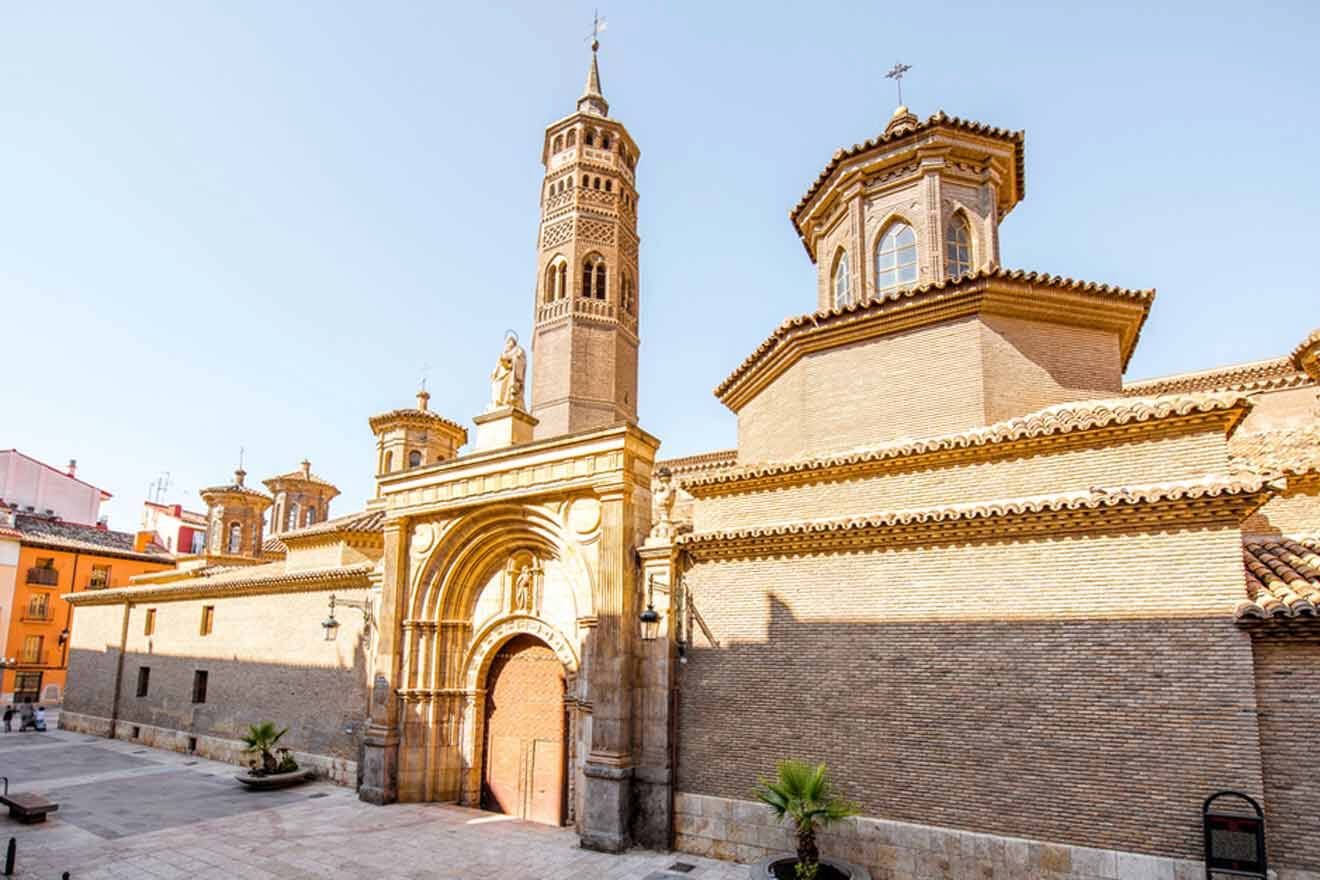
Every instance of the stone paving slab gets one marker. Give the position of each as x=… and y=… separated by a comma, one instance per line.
x=181, y=817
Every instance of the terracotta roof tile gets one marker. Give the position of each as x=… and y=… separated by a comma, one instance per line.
x=361, y=522
x=54, y=533
x=301, y=477
x=1282, y=578
x=1061, y=418
x=1093, y=499
x=274, y=545
x=237, y=580
x=1020, y=276
x=939, y=119
x=1265, y=375
x=702, y=462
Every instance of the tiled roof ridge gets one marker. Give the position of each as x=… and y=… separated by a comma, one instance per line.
x=1059, y=418
x=1262, y=375
x=939, y=118
x=362, y=521
x=300, y=477
x=699, y=461
x=1213, y=485
x=234, y=489
x=48, y=532
x=1282, y=577
x=417, y=414
x=216, y=581
x=1023, y=276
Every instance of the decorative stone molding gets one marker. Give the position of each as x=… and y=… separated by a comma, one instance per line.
x=485, y=645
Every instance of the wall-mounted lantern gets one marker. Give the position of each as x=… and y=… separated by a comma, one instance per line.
x=331, y=625
x=650, y=618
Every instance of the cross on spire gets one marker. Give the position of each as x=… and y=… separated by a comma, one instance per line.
x=597, y=25
x=896, y=74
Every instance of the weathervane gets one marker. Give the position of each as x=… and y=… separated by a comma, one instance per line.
x=896, y=74
x=597, y=25
x=425, y=368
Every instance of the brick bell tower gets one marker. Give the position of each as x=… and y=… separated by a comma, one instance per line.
x=584, y=342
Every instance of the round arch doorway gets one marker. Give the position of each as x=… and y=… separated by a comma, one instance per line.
x=525, y=754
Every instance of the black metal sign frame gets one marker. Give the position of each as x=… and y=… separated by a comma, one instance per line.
x=1234, y=843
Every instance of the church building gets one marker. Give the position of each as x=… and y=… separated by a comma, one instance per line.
x=1029, y=613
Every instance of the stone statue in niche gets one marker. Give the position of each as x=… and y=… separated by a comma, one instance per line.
x=506, y=380
x=523, y=594
x=663, y=495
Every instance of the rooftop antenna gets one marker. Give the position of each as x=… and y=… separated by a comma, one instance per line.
x=159, y=487
x=896, y=74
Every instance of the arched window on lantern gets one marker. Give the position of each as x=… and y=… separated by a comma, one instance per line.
x=958, y=246
x=291, y=521
x=896, y=257
x=572, y=138
x=310, y=516
x=556, y=279
x=593, y=276
x=841, y=282
x=389, y=462
x=415, y=457
x=235, y=538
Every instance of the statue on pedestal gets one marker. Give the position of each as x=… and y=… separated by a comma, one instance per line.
x=663, y=495
x=506, y=380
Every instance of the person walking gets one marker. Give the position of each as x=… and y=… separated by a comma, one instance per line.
x=39, y=722
x=9, y=719
x=25, y=719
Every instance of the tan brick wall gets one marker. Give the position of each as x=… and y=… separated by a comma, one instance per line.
x=1081, y=689
x=1144, y=461
x=1288, y=690
x=1294, y=514
x=266, y=659
x=911, y=384
x=1033, y=364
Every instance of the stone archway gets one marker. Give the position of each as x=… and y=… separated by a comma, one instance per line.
x=525, y=741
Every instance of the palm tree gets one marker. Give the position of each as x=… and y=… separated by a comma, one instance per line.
x=803, y=794
x=262, y=738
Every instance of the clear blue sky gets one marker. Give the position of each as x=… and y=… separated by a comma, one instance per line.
x=250, y=223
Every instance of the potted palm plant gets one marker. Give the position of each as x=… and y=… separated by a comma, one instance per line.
x=262, y=739
x=802, y=794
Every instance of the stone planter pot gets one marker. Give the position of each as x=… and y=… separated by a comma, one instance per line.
x=275, y=780
x=765, y=869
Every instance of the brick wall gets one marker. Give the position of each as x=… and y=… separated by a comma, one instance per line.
x=1033, y=364
x=1288, y=691
x=1086, y=690
x=911, y=384
x=1285, y=408
x=266, y=659
x=1177, y=457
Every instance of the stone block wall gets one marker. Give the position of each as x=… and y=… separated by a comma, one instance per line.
x=730, y=828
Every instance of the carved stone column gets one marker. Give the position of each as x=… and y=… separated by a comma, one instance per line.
x=380, y=753
x=653, y=744
x=608, y=769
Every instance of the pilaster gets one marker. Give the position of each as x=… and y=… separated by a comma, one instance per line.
x=380, y=759
x=608, y=770
x=653, y=792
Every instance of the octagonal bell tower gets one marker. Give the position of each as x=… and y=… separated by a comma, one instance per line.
x=584, y=342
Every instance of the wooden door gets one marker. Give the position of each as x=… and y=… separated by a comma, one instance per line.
x=525, y=733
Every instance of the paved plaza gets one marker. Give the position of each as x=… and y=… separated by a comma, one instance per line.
x=131, y=812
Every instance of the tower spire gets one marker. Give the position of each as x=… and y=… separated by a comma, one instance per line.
x=592, y=101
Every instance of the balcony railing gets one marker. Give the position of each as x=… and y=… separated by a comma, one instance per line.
x=36, y=615
x=47, y=577
x=35, y=658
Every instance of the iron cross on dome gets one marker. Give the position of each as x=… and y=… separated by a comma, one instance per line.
x=896, y=74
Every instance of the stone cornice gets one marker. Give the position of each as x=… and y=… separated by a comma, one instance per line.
x=1013, y=293
x=233, y=584
x=1306, y=356
x=1085, y=424
x=1222, y=500
x=575, y=462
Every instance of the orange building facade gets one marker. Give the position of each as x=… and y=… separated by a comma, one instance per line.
x=56, y=558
